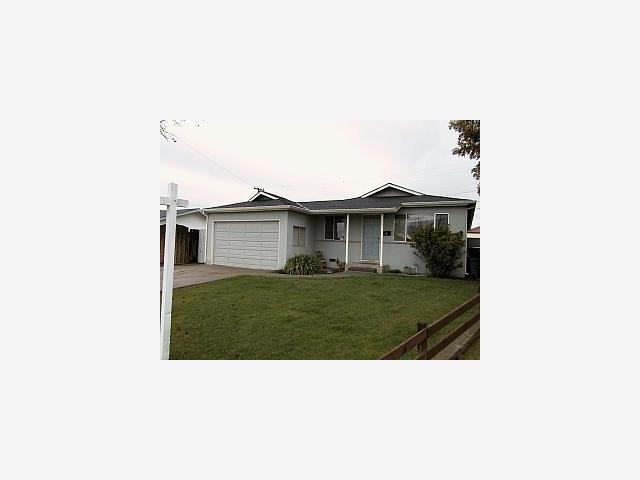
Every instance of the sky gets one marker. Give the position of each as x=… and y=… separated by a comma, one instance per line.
x=219, y=162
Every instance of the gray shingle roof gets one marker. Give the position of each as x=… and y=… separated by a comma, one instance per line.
x=347, y=204
x=262, y=203
x=375, y=202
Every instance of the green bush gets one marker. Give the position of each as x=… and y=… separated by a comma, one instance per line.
x=303, y=265
x=440, y=249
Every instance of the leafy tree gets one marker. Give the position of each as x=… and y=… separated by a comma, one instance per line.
x=440, y=248
x=468, y=143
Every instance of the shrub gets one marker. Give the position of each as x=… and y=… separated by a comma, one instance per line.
x=303, y=265
x=440, y=249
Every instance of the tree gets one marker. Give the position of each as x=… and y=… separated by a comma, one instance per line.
x=167, y=127
x=440, y=248
x=468, y=143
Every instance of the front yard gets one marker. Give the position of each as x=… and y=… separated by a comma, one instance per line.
x=360, y=317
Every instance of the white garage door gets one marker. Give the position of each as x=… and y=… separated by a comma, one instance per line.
x=246, y=244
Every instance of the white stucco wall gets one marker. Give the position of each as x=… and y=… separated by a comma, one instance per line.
x=399, y=254
x=300, y=220
x=395, y=254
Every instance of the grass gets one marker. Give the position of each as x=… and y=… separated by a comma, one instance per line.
x=360, y=317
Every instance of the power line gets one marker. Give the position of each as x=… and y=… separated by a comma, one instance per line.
x=187, y=144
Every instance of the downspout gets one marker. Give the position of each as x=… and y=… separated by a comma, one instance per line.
x=206, y=235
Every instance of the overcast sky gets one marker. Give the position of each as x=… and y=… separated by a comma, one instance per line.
x=312, y=160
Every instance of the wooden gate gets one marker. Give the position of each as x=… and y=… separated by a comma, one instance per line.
x=186, y=245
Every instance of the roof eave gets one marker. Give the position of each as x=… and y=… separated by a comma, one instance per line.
x=353, y=210
x=443, y=203
x=255, y=209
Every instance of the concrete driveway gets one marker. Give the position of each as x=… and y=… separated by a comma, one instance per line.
x=184, y=275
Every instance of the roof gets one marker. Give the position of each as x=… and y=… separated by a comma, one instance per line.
x=184, y=211
x=374, y=202
x=262, y=203
x=391, y=186
x=474, y=230
x=366, y=202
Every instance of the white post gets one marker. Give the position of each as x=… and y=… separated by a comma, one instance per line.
x=172, y=204
x=346, y=241
x=381, y=235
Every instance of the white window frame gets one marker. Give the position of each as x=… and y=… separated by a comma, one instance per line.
x=297, y=237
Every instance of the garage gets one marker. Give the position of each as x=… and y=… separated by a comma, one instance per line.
x=246, y=244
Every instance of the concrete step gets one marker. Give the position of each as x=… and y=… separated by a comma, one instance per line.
x=367, y=267
x=362, y=269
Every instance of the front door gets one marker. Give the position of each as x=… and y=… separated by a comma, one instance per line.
x=371, y=238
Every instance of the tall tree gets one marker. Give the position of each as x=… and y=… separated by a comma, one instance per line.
x=468, y=143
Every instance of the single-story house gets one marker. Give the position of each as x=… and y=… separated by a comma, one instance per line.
x=371, y=231
x=191, y=227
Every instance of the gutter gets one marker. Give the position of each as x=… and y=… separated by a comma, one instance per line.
x=255, y=209
x=439, y=204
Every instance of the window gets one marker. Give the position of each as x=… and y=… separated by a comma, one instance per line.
x=442, y=220
x=299, y=235
x=405, y=225
x=416, y=221
x=400, y=228
x=334, y=228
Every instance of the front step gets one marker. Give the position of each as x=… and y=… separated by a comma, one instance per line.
x=367, y=267
x=362, y=269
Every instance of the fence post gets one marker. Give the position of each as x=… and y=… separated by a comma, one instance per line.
x=423, y=345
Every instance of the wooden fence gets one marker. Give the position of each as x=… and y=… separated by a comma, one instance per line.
x=419, y=340
x=186, y=246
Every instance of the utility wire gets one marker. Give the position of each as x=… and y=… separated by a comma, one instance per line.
x=187, y=144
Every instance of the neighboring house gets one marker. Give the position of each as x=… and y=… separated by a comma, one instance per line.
x=473, y=252
x=190, y=236
x=266, y=230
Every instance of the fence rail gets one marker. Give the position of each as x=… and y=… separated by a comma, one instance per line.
x=419, y=340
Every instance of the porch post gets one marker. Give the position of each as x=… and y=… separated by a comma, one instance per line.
x=381, y=235
x=346, y=241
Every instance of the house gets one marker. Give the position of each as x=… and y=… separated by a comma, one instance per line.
x=190, y=235
x=371, y=231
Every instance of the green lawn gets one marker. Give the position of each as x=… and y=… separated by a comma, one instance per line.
x=360, y=317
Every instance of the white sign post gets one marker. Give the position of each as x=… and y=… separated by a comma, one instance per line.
x=172, y=202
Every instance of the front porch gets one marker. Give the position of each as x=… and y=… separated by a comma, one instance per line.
x=358, y=238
